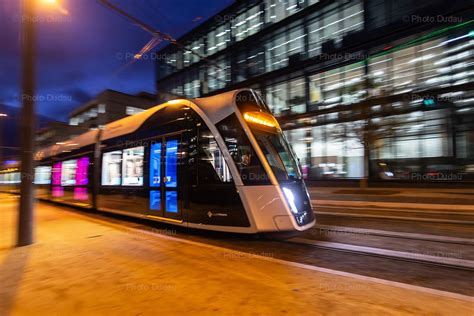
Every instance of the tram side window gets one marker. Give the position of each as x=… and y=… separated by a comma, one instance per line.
x=242, y=152
x=68, y=173
x=10, y=178
x=42, y=175
x=132, y=167
x=212, y=165
x=111, y=168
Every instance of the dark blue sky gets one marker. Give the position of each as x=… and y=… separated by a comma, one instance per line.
x=86, y=52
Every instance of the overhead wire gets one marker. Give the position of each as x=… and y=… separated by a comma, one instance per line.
x=157, y=34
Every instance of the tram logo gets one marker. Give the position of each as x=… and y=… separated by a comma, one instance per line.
x=210, y=214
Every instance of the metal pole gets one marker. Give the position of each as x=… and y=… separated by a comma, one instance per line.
x=27, y=124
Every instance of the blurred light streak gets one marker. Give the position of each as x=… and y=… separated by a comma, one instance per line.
x=149, y=46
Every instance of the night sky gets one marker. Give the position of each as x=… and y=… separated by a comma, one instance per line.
x=82, y=54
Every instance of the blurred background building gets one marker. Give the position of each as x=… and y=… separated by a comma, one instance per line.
x=56, y=132
x=106, y=107
x=10, y=131
x=381, y=88
x=109, y=106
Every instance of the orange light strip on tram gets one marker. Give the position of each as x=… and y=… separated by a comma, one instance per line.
x=261, y=118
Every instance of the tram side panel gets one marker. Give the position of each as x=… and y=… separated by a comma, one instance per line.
x=213, y=195
x=189, y=183
x=121, y=186
x=126, y=184
x=119, y=176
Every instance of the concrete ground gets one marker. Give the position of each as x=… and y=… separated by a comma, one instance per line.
x=81, y=265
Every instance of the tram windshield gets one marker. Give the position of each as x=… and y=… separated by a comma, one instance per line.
x=278, y=154
x=268, y=135
x=242, y=152
x=272, y=143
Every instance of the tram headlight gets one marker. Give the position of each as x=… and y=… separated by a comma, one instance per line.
x=290, y=197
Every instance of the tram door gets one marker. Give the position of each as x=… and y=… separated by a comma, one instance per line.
x=164, y=163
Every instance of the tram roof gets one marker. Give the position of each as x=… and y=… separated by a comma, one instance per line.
x=215, y=107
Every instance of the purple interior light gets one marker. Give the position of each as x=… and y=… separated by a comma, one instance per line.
x=56, y=174
x=81, y=171
x=58, y=192
x=81, y=194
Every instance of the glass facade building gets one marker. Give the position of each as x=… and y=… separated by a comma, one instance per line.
x=375, y=88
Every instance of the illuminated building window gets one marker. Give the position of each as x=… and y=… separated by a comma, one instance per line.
x=336, y=151
x=218, y=39
x=277, y=10
x=130, y=110
x=247, y=23
x=101, y=108
x=344, y=85
x=276, y=98
x=74, y=121
x=413, y=135
x=284, y=46
x=423, y=66
x=92, y=113
x=191, y=54
x=192, y=88
x=218, y=74
x=334, y=25
x=287, y=97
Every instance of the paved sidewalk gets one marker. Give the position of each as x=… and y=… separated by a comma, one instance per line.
x=85, y=266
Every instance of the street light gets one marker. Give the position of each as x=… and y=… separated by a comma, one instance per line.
x=3, y=115
x=54, y=3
